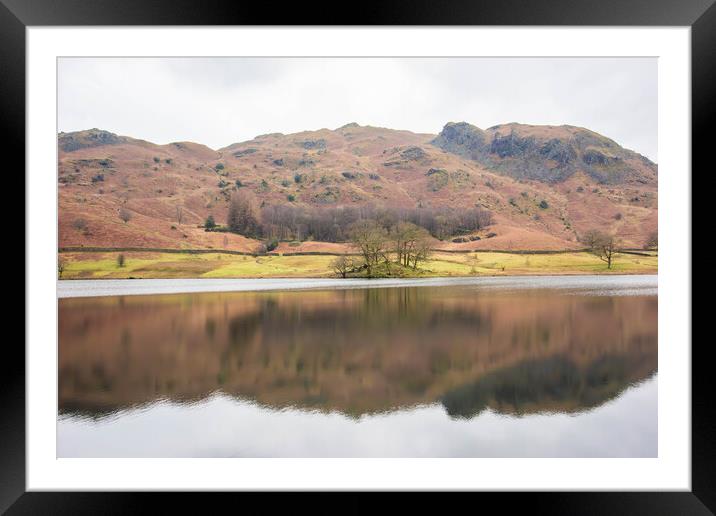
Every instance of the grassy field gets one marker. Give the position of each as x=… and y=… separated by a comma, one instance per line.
x=217, y=265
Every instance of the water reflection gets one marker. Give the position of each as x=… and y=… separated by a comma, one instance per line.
x=357, y=352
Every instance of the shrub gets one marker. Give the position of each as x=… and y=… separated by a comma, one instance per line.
x=219, y=166
x=271, y=244
x=285, y=183
x=580, y=189
x=125, y=215
x=210, y=223
x=543, y=204
x=156, y=160
x=239, y=184
x=299, y=178
x=221, y=183
x=120, y=260
x=98, y=178
x=168, y=161
x=80, y=224
x=491, y=235
x=291, y=197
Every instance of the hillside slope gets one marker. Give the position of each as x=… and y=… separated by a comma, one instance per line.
x=545, y=185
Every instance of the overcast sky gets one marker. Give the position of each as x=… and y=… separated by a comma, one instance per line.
x=219, y=101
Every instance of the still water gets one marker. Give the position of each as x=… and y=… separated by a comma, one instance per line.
x=523, y=367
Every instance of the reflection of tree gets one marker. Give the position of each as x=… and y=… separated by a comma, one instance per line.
x=356, y=351
x=552, y=384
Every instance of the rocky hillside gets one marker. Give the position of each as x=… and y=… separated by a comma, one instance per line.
x=545, y=185
x=547, y=153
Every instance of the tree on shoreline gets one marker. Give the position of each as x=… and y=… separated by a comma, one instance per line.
x=371, y=240
x=604, y=246
x=408, y=243
x=343, y=265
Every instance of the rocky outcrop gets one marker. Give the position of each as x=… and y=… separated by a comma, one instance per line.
x=546, y=153
x=312, y=144
x=244, y=152
x=413, y=154
x=69, y=142
x=463, y=139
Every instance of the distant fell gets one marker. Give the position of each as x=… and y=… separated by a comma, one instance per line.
x=546, y=153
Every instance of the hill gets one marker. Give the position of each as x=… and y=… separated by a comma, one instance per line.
x=545, y=185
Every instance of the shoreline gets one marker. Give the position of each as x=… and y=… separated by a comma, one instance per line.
x=626, y=284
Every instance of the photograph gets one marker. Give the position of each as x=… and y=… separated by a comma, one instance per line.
x=387, y=257
x=405, y=247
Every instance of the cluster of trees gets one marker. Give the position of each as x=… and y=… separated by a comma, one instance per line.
x=288, y=222
x=404, y=243
x=242, y=217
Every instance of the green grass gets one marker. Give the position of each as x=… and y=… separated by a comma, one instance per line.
x=219, y=265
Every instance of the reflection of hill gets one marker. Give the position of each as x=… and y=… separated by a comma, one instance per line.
x=356, y=351
x=547, y=385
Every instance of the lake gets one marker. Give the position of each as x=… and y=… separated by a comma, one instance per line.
x=559, y=366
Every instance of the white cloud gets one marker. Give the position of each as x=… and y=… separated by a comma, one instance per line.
x=219, y=101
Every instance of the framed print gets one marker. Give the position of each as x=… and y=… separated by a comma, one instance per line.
x=417, y=253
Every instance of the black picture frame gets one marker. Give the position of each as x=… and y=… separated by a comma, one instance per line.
x=17, y=15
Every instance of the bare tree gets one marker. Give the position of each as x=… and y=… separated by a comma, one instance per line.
x=604, y=246
x=120, y=260
x=411, y=244
x=60, y=266
x=125, y=215
x=404, y=235
x=423, y=250
x=371, y=240
x=653, y=241
x=343, y=265
x=590, y=238
x=180, y=214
